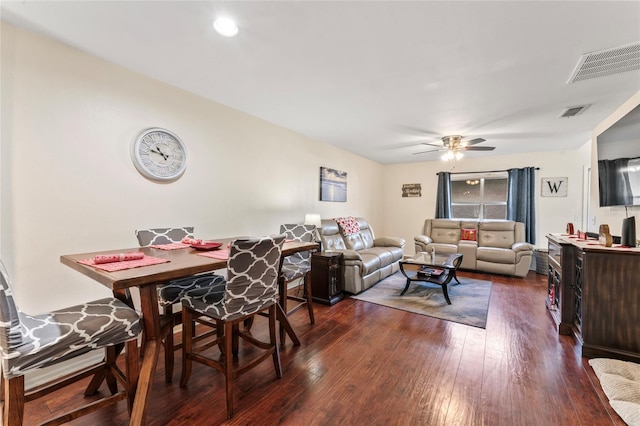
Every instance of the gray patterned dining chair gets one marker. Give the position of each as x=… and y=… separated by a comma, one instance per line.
x=170, y=293
x=30, y=342
x=251, y=288
x=294, y=267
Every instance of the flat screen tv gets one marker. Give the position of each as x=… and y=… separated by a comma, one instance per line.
x=619, y=162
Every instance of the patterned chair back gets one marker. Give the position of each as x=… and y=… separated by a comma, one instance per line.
x=10, y=329
x=147, y=237
x=252, y=281
x=252, y=274
x=306, y=233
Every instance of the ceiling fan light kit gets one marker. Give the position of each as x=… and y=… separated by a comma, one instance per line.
x=225, y=26
x=452, y=154
x=454, y=147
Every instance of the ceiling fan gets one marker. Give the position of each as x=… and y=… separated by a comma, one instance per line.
x=455, y=145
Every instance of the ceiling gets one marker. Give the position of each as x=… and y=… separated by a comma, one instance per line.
x=374, y=78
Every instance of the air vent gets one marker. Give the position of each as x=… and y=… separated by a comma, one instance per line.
x=607, y=62
x=573, y=111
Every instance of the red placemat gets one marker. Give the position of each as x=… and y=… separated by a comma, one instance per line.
x=171, y=246
x=222, y=254
x=128, y=264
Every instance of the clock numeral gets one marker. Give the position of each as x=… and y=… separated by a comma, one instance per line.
x=166, y=170
x=148, y=141
x=157, y=138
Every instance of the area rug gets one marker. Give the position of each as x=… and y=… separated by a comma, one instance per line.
x=620, y=381
x=469, y=299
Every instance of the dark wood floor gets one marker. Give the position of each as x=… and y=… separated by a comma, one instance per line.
x=366, y=364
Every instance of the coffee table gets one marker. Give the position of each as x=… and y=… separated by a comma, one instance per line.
x=439, y=269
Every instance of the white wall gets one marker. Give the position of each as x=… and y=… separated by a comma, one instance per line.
x=611, y=216
x=404, y=217
x=69, y=186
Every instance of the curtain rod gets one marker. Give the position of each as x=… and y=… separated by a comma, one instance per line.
x=487, y=171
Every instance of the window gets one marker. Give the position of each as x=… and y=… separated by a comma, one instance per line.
x=479, y=196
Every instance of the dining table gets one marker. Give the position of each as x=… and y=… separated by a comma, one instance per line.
x=175, y=264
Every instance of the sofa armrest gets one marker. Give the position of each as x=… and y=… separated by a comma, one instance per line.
x=349, y=254
x=421, y=242
x=422, y=239
x=519, y=247
x=388, y=242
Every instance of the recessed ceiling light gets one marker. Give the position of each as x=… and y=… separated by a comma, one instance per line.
x=225, y=27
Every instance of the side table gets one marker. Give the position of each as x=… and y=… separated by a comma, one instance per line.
x=326, y=277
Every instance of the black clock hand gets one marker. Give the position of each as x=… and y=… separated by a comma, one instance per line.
x=160, y=152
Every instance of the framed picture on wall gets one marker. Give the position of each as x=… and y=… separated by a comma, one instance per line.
x=554, y=187
x=333, y=185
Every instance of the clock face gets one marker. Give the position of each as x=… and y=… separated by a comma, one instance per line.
x=159, y=154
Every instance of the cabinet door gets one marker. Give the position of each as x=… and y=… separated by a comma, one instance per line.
x=577, y=296
x=554, y=290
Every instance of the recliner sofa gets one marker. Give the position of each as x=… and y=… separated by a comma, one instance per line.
x=367, y=259
x=497, y=247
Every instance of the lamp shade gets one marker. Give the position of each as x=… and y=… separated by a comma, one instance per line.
x=312, y=219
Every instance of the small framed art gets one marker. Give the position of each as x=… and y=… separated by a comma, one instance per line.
x=554, y=187
x=333, y=185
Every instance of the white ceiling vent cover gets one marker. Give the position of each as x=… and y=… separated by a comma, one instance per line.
x=572, y=111
x=607, y=62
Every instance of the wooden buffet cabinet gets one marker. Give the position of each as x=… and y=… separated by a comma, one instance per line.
x=594, y=295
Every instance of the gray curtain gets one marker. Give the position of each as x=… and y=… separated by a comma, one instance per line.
x=521, y=200
x=443, y=197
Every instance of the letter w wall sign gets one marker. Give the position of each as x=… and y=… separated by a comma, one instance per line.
x=555, y=187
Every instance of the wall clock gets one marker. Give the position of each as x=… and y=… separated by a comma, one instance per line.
x=159, y=155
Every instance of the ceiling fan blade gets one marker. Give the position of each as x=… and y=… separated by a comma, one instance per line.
x=480, y=148
x=438, y=144
x=473, y=141
x=432, y=150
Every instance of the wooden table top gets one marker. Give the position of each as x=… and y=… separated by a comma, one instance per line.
x=182, y=262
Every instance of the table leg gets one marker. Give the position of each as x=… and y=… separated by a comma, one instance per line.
x=145, y=382
x=150, y=354
x=446, y=293
x=406, y=287
x=445, y=289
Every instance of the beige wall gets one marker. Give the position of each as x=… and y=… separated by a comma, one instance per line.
x=69, y=186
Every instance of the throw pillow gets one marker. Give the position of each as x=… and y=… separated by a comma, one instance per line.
x=469, y=234
x=348, y=225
